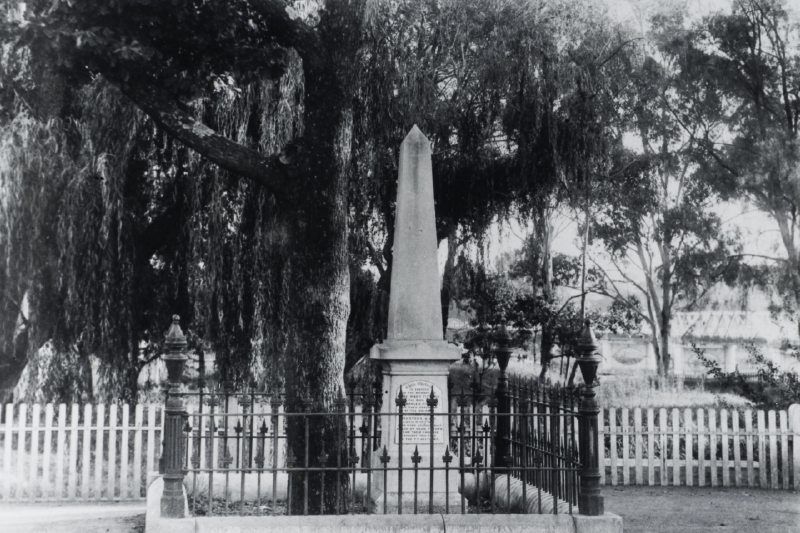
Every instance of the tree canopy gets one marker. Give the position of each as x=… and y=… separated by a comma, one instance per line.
x=235, y=161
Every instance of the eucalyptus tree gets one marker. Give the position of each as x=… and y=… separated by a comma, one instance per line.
x=741, y=85
x=664, y=241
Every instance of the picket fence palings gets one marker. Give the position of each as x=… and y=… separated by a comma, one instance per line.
x=723, y=425
x=33, y=473
x=712, y=444
x=773, y=450
x=701, y=448
x=99, y=440
x=762, y=451
x=28, y=443
x=85, y=457
x=123, y=455
x=46, y=450
x=112, y=452
x=687, y=423
x=72, y=465
x=737, y=450
x=784, y=431
x=612, y=426
x=35, y=468
x=637, y=435
x=662, y=424
x=22, y=423
x=718, y=456
x=7, y=450
x=651, y=458
x=137, y=451
x=794, y=424
x=748, y=430
x=62, y=422
x=625, y=429
x=676, y=445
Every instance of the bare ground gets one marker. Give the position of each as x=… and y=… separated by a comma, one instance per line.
x=693, y=509
x=643, y=509
x=68, y=518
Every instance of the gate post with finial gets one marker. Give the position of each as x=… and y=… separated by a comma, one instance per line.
x=590, y=501
x=173, y=455
x=502, y=354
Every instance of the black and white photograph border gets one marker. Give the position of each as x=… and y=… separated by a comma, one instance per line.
x=400, y=265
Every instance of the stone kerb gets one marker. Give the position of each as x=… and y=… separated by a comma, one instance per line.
x=375, y=523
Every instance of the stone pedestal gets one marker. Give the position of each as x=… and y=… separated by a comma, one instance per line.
x=419, y=368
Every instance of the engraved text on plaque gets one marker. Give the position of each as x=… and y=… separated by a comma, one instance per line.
x=417, y=427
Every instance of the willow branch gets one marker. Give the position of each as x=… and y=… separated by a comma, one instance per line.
x=270, y=172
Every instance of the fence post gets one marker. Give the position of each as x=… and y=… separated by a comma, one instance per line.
x=172, y=503
x=502, y=353
x=794, y=424
x=590, y=501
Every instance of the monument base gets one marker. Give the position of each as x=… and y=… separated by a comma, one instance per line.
x=420, y=370
x=442, y=503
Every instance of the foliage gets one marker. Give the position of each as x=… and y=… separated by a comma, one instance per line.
x=654, y=209
x=145, y=228
x=739, y=98
x=494, y=297
x=773, y=387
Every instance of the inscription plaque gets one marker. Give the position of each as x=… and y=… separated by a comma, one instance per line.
x=417, y=427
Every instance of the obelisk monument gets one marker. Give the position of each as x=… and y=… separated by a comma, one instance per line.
x=414, y=356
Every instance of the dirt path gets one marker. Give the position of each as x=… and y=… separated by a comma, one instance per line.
x=69, y=518
x=690, y=509
x=643, y=509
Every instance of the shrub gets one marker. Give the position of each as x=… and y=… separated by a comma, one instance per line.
x=771, y=387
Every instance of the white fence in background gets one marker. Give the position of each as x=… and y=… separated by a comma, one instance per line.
x=71, y=452
x=700, y=446
x=104, y=452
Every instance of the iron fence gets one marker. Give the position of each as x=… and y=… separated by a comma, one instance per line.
x=524, y=447
x=237, y=458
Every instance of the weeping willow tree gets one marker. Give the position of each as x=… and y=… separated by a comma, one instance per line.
x=234, y=164
x=66, y=242
x=109, y=230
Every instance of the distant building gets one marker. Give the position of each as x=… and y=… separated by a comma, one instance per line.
x=722, y=335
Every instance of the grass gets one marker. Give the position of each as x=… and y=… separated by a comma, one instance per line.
x=630, y=391
x=642, y=390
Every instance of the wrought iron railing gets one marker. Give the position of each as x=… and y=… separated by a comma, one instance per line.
x=238, y=460
x=526, y=447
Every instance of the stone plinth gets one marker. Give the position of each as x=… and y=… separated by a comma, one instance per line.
x=419, y=367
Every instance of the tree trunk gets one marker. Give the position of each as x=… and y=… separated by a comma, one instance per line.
x=319, y=269
x=666, y=318
x=655, y=311
x=544, y=274
x=665, y=367
x=447, y=279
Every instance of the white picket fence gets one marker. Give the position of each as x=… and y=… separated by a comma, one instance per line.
x=700, y=446
x=61, y=452
x=104, y=452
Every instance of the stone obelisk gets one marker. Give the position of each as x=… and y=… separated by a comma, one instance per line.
x=414, y=356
